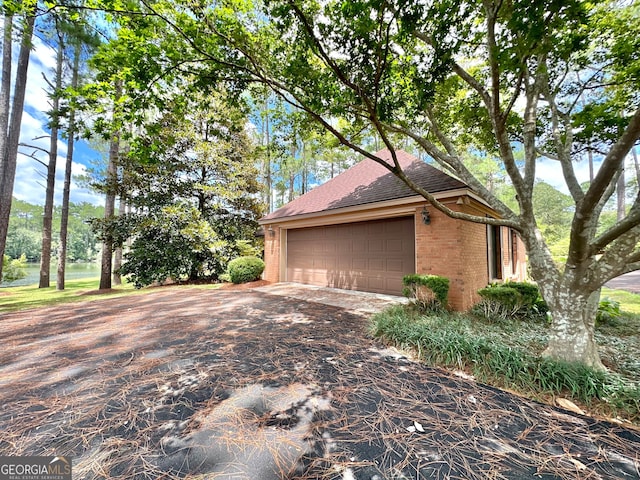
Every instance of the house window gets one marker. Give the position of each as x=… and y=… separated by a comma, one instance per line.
x=494, y=251
x=514, y=251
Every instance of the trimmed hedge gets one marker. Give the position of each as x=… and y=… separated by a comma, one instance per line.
x=509, y=299
x=245, y=269
x=428, y=292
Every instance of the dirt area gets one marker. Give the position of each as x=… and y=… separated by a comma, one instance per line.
x=243, y=383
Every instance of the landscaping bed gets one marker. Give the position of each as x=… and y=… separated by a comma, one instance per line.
x=507, y=353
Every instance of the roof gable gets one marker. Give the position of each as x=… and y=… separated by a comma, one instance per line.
x=368, y=182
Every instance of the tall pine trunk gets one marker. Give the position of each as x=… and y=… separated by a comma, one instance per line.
x=636, y=165
x=267, y=162
x=5, y=87
x=117, y=257
x=9, y=151
x=621, y=191
x=106, y=267
x=66, y=191
x=47, y=218
x=109, y=212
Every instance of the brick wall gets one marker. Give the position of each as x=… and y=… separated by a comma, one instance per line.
x=451, y=248
x=272, y=254
x=475, y=259
x=454, y=249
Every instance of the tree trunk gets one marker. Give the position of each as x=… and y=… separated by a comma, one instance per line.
x=10, y=150
x=571, y=336
x=110, y=204
x=5, y=86
x=305, y=170
x=267, y=164
x=47, y=219
x=572, y=305
x=64, y=220
x=109, y=211
x=117, y=257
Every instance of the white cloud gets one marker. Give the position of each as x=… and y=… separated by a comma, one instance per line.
x=29, y=184
x=550, y=172
x=42, y=61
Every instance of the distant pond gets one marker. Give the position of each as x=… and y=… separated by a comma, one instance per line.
x=73, y=271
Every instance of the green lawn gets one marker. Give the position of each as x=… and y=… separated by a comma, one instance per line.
x=21, y=298
x=629, y=302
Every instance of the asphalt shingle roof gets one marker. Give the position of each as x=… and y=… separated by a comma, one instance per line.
x=368, y=182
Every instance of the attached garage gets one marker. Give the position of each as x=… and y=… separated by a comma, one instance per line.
x=365, y=229
x=368, y=256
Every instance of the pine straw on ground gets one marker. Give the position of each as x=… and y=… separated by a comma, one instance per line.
x=235, y=384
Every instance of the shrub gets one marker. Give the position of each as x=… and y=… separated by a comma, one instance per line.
x=428, y=292
x=245, y=269
x=529, y=291
x=174, y=242
x=505, y=300
x=608, y=311
x=13, y=270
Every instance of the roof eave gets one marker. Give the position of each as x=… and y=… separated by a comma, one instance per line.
x=398, y=202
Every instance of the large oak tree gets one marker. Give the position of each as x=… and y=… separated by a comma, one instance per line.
x=454, y=76
x=515, y=79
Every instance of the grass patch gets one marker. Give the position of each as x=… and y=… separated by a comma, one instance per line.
x=629, y=302
x=507, y=355
x=21, y=298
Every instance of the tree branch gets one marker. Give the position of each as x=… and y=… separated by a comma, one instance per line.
x=492, y=51
x=608, y=170
x=461, y=72
x=617, y=257
x=562, y=149
x=633, y=263
x=612, y=163
x=622, y=227
x=453, y=162
x=32, y=156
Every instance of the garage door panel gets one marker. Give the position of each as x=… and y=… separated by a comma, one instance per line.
x=394, y=246
x=358, y=264
x=395, y=265
x=377, y=284
x=368, y=256
x=377, y=264
x=375, y=245
x=344, y=247
x=376, y=228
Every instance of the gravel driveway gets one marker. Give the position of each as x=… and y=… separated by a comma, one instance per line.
x=194, y=383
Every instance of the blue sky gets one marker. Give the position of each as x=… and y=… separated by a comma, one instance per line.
x=29, y=184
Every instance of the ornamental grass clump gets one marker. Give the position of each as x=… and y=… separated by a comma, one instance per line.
x=483, y=349
x=245, y=269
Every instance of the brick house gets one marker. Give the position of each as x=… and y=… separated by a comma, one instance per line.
x=365, y=229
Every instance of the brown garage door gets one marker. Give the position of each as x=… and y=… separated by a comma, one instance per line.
x=367, y=256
